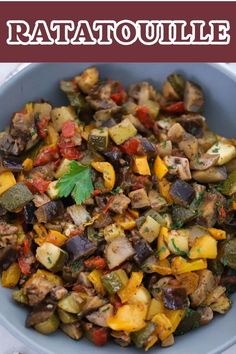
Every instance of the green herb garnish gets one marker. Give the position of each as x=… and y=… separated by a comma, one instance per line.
x=76, y=182
x=177, y=249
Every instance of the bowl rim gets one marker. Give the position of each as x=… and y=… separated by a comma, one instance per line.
x=19, y=72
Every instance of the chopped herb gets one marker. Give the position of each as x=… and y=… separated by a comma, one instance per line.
x=171, y=167
x=196, y=325
x=216, y=148
x=199, y=250
x=224, y=261
x=146, y=229
x=197, y=157
x=177, y=225
x=107, y=308
x=219, y=187
x=117, y=190
x=162, y=249
x=33, y=132
x=177, y=249
x=75, y=266
x=49, y=260
x=76, y=182
x=164, y=144
x=193, y=130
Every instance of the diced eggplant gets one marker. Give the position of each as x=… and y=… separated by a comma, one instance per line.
x=73, y=330
x=79, y=214
x=49, y=211
x=205, y=286
x=182, y=192
x=101, y=316
x=93, y=303
x=148, y=147
x=211, y=175
x=29, y=216
x=122, y=338
x=78, y=247
x=139, y=199
x=51, y=257
x=113, y=156
x=178, y=166
x=49, y=326
x=173, y=87
x=16, y=197
x=193, y=97
x=164, y=148
x=120, y=203
x=12, y=163
x=190, y=321
x=142, y=250
x=203, y=162
x=98, y=139
x=40, y=313
x=118, y=251
x=193, y=124
x=189, y=145
x=175, y=298
x=8, y=255
x=157, y=202
x=181, y=215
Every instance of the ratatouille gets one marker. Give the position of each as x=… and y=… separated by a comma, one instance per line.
x=117, y=212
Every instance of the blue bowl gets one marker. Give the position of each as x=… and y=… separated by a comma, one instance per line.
x=42, y=81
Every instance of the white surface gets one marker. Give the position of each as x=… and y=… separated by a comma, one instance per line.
x=9, y=344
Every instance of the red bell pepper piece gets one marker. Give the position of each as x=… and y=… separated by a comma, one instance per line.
x=107, y=206
x=98, y=335
x=26, y=246
x=49, y=153
x=71, y=153
x=68, y=129
x=130, y=147
x=145, y=117
x=177, y=107
x=95, y=263
x=25, y=266
x=40, y=184
x=42, y=124
x=118, y=95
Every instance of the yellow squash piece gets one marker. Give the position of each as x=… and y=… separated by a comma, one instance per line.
x=108, y=173
x=56, y=237
x=180, y=265
x=162, y=267
x=141, y=166
x=41, y=232
x=28, y=164
x=95, y=278
x=130, y=318
x=52, y=135
x=164, y=325
x=164, y=189
x=133, y=213
x=126, y=222
x=217, y=233
x=160, y=168
x=141, y=295
x=150, y=342
x=11, y=276
x=7, y=180
x=204, y=247
x=162, y=250
x=175, y=317
x=129, y=290
x=234, y=205
x=156, y=306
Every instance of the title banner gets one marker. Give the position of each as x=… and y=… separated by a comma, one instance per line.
x=117, y=31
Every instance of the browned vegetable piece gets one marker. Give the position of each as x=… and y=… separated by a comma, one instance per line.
x=139, y=199
x=142, y=250
x=78, y=247
x=203, y=162
x=118, y=251
x=182, y=192
x=119, y=204
x=189, y=145
x=178, y=166
x=157, y=202
x=193, y=124
x=175, y=133
x=206, y=314
x=40, y=313
x=175, y=298
x=164, y=148
x=189, y=281
x=211, y=175
x=122, y=338
x=49, y=211
x=193, y=97
x=205, y=286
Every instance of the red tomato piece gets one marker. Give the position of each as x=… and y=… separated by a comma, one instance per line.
x=25, y=266
x=145, y=117
x=95, y=263
x=99, y=336
x=40, y=184
x=177, y=107
x=118, y=95
x=42, y=124
x=130, y=147
x=68, y=129
x=49, y=153
x=71, y=153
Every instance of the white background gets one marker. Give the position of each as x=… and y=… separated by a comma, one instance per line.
x=10, y=345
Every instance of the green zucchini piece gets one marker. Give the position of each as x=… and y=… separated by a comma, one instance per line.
x=181, y=215
x=98, y=139
x=115, y=281
x=177, y=82
x=49, y=326
x=122, y=131
x=228, y=253
x=20, y=297
x=73, y=330
x=139, y=338
x=51, y=256
x=16, y=197
x=190, y=321
x=66, y=317
x=229, y=185
x=72, y=303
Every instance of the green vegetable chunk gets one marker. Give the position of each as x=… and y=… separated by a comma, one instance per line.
x=98, y=139
x=48, y=326
x=190, y=321
x=139, y=338
x=76, y=182
x=115, y=281
x=16, y=197
x=229, y=185
x=51, y=256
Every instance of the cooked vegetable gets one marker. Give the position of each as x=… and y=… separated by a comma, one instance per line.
x=51, y=256
x=118, y=212
x=15, y=197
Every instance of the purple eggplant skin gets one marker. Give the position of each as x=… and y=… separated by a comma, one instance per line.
x=113, y=156
x=175, y=298
x=78, y=247
x=8, y=255
x=142, y=249
x=28, y=212
x=12, y=163
x=49, y=211
x=40, y=313
x=182, y=192
x=148, y=147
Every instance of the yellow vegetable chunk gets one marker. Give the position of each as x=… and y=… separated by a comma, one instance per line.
x=141, y=295
x=7, y=180
x=11, y=276
x=150, y=229
x=56, y=237
x=122, y=131
x=164, y=326
x=156, y=306
x=27, y=164
x=112, y=231
x=175, y=317
x=162, y=267
x=95, y=278
x=129, y=290
x=162, y=250
x=177, y=242
x=53, y=136
x=204, y=247
x=150, y=342
x=217, y=233
x=41, y=273
x=164, y=189
x=108, y=173
x=225, y=151
x=160, y=168
x=141, y=166
x=180, y=265
x=126, y=222
x=130, y=318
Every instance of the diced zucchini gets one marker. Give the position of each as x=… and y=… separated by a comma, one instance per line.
x=43, y=109
x=16, y=197
x=7, y=180
x=150, y=229
x=88, y=79
x=52, y=190
x=112, y=231
x=72, y=303
x=177, y=242
x=63, y=168
x=115, y=281
x=122, y=131
x=73, y=330
x=229, y=185
x=79, y=214
x=20, y=297
x=140, y=337
x=66, y=317
x=62, y=114
x=51, y=256
x=225, y=151
x=48, y=326
x=98, y=139
x=141, y=295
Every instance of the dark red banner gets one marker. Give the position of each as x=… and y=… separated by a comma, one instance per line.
x=117, y=31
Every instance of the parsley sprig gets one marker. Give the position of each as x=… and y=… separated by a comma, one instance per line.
x=77, y=182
